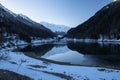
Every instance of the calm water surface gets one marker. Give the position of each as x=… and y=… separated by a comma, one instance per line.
x=91, y=54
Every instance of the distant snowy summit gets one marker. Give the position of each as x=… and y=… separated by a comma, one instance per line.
x=55, y=27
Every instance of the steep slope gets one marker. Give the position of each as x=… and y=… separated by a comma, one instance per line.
x=105, y=23
x=13, y=24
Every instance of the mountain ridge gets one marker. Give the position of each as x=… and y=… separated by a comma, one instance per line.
x=104, y=24
x=12, y=23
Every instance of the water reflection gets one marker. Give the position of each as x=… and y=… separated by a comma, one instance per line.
x=92, y=54
x=95, y=48
x=37, y=51
x=105, y=54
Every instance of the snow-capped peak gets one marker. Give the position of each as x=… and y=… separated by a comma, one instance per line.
x=23, y=16
x=55, y=27
x=26, y=18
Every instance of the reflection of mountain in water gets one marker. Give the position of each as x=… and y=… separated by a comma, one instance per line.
x=95, y=48
x=57, y=50
x=37, y=51
x=109, y=52
x=91, y=54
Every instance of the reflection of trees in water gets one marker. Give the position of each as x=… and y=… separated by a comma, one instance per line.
x=59, y=45
x=101, y=52
x=37, y=50
x=95, y=48
x=108, y=52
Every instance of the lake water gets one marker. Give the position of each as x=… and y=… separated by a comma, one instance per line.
x=90, y=54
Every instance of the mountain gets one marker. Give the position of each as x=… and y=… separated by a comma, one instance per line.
x=104, y=24
x=22, y=27
x=55, y=28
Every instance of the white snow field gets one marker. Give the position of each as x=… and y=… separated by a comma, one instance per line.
x=42, y=70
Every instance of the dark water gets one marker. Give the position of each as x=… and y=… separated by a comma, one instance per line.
x=91, y=54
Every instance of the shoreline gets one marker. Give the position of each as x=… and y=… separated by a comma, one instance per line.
x=21, y=64
x=93, y=40
x=67, y=63
x=56, y=62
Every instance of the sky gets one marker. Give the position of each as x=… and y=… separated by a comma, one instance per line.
x=65, y=12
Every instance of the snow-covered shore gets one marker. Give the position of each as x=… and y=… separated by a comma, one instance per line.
x=93, y=40
x=55, y=41
x=44, y=70
x=37, y=69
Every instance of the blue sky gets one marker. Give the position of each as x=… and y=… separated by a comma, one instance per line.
x=65, y=12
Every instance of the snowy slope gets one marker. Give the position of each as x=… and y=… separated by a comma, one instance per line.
x=41, y=70
x=54, y=27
